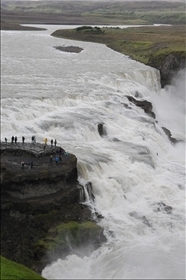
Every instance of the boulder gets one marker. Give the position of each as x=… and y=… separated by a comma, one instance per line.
x=101, y=129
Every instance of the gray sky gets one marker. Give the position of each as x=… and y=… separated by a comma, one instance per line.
x=182, y=1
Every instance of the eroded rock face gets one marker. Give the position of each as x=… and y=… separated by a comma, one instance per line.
x=171, y=65
x=43, y=178
x=169, y=134
x=143, y=104
x=168, y=65
x=34, y=200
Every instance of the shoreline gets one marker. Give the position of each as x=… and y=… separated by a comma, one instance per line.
x=160, y=46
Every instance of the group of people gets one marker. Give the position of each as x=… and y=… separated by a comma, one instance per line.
x=14, y=139
x=57, y=158
x=33, y=140
x=51, y=141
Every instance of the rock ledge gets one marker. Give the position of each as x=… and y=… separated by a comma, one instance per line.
x=41, y=199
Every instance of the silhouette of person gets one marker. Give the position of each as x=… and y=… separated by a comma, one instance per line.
x=55, y=142
x=33, y=139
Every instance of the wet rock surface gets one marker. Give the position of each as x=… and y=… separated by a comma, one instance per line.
x=169, y=134
x=34, y=200
x=143, y=104
x=168, y=66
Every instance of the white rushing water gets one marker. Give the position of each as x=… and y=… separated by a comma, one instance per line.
x=134, y=169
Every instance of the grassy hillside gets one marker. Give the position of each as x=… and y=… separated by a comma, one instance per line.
x=12, y=270
x=92, y=12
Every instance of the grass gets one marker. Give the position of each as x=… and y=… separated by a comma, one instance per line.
x=11, y=270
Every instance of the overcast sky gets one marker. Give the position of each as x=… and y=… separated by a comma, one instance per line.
x=183, y=1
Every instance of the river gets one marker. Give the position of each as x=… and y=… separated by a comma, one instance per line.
x=137, y=174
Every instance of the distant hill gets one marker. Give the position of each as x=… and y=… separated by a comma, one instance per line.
x=95, y=12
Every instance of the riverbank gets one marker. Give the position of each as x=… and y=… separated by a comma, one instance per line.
x=161, y=47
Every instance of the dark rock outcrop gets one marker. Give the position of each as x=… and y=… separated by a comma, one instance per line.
x=169, y=134
x=143, y=104
x=168, y=65
x=38, y=199
x=101, y=129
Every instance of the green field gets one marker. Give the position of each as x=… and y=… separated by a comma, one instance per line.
x=12, y=271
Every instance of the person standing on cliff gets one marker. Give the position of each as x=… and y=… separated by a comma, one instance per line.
x=6, y=140
x=23, y=139
x=51, y=142
x=33, y=139
x=15, y=139
x=12, y=139
x=55, y=142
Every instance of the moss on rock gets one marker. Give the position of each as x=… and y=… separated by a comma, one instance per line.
x=67, y=237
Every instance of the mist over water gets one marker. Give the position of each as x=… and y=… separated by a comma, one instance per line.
x=135, y=171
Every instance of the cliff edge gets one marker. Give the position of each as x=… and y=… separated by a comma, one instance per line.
x=42, y=213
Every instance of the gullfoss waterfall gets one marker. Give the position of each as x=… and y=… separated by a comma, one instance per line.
x=137, y=173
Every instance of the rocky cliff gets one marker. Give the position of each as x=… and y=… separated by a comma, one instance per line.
x=42, y=215
x=168, y=64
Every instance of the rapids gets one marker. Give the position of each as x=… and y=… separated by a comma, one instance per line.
x=135, y=171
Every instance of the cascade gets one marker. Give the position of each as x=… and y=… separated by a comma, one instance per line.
x=129, y=170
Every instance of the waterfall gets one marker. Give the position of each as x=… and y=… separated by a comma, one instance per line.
x=129, y=170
